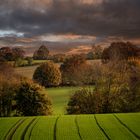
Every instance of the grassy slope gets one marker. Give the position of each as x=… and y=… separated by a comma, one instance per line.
x=60, y=97
x=71, y=127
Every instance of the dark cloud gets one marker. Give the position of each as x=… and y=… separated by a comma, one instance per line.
x=109, y=18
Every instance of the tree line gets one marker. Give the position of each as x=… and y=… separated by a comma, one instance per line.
x=114, y=84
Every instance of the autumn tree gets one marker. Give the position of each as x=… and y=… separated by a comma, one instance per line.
x=41, y=54
x=119, y=51
x=47, y=74
x=73, y=70
x=30, y=101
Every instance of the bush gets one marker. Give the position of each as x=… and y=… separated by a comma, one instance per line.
x=30, y=101
x=91, y=102
x=47, y=74
x=83, y=102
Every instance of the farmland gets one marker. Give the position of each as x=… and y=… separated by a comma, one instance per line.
x=72, y=127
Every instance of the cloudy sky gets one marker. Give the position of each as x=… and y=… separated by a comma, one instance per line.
x=68, y=23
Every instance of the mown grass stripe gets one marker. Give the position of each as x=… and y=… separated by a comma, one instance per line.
x=26, y=128
x=5, y=126
x=131, y=131
x=13, y=130
x=101, y=128
x=113, y=128
x=66, y=128
x=18, y=135
x=89, y=129
x=7, y=122
x=44, y=128
x=29, y=131
x=55, y=130
x=78, y=128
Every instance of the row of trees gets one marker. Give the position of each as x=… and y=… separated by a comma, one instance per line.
x=18, y=55
x=73, y=72
x=11, y=54
x=116, y=84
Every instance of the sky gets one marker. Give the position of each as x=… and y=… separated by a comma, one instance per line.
x=66, y=24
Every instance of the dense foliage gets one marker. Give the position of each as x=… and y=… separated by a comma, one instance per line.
x=117, y=87
x=8, y=54
x=74, y=70
x=30, y=102
x=120, y=50
x=47, y=74
x=18, y=96
x=41, y=54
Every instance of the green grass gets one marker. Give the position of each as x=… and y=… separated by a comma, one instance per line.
x=38, y=61
x=113, y=128
x=60, y=97
x=43, y=129
x=131, y=121
x=88, y=128
x=21, y=129
x=66, y=128
x=6, y=124
x=72, y=127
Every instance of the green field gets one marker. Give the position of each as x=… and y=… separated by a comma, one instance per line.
x=60, y=97
x=72, y=127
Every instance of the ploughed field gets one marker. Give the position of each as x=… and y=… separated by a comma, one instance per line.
x=72, y=127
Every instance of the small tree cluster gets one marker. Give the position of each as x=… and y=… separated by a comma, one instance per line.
x=8, y=54
x=95, y=53
x=119, y=51
x=19, y=96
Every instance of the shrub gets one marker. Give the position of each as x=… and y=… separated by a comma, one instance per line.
x=30, y=101
x=47, y=74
